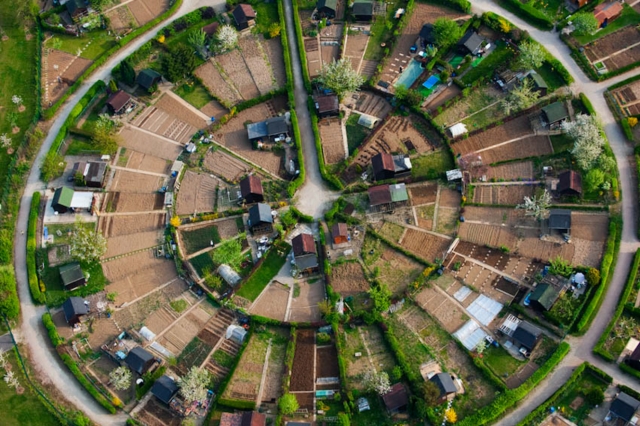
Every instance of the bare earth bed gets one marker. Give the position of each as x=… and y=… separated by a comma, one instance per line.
x=113, y=226
x=508, y=172
x=332, y=141
x=508, y=131
x=147, y=143
x=348, y=279
x=147, y=10
x=423, y=194
x=534, y=146
x=145, y=162
x=226, y=166
x=273, y=302
x=120, y=202
x=502, y=194
x=197, y=193
x=132, y=242
x=73, y=68
x=427, y=246
x=124, y=181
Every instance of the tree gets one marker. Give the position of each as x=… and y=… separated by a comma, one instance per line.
x=126, y=73
x=325, y=307
x=505, y=26
x=561, y=267
x=226, y=38
x=607, y=164
x=5, y=141
x=396, y=373
x=407, y=96
x=520, y=97
x=52, y=167
x=274, y=30
x=430, y=393
x=193, y=386
x=86, y=244
x=9, y=302
x=343, y=419
x=450, y=415
x=588, y=140
x=340, y=77
x=446, y=32
x=178, y=62
x=175, y=221
x=120, y=378
x=593, y=276
x=532, y=55
x=288, y=404
x=538, y=207
x=288, y=219
x=229, y=252
x=104, y=134
x=376, y=382
x=594, y=396
x=594, y=180
x=584, y=23
x=113, y=86
x=481, y=347
x=198, y=39
x=213, y=281
x=381, y=296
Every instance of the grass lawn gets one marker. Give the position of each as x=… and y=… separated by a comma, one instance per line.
x=432, y=166
x=554, y=9
x=25, y=409
x=274, y=260
x=17, y=71
x=581, y=387
x=500, y=362
x=80, y=145
x=203, y=263
x=486, y=68
x=200, y=238
x=477, y=100
x=101, y=41
x=377, y=415
x=551, y=77
x=223, y=359
x=306, y=4
x=561, y=143
x=628, y=17
x=194, y=93
x=66, y=229
x=355, y=132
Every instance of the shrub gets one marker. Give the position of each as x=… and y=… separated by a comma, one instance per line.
x=79, y=375
x=34, y=285
x=9, y=302
x=529, y=13
x=47, y=321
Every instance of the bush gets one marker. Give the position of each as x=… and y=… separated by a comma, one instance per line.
x=238, y=404
x=9, y=302
x=528, y=12
x=79, y=375
x=34, y=285
x=55, y=338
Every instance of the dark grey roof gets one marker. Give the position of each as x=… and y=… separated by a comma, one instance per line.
x=71, y=273
x=624, y=406
x=164, y=389
x=445, y=383
x=96, y=172
x=260, y=213
x=363, y=8
x=74, y=306
x=526, y=334
x=545, y=294
x=257, y=130
x=472, y=41
x=555, y=112
x=277, y=125
x=137, y=359
x=330, y=4
x=559, y=219
x=306, y=261
x=427, y=33
x=147, y=77
x=73, y=5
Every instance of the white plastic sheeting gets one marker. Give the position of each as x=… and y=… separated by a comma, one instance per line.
x=161, y=349
x=457, y=130
x=484, y=309
x=147, y=334
x=470, y=334
x=462, y=293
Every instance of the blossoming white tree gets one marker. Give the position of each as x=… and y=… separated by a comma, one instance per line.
x=588, y=140
x=531, y=55
x=227, y=38
x=538, y=207
x=120, y=378
x=193, y=386
x=340, y=77
x=86, y=244
x=376, y=382
x=16, y=100
x=5, y=141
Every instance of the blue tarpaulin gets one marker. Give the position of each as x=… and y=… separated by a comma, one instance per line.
x=431, y=81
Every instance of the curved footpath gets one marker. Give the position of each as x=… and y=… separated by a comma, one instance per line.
x=42, y=356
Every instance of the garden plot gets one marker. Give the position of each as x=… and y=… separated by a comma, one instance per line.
x=423, y=193
x=235, y=69
x=446, y=221
x=377, y=356
x=272, y=388
x=118, y=269
x=611, y=44
x=170, y=104
x=490, y=235
x=226, y=166
x=121, y=19
x=330, y=37
x=534, y=146
x=428, y=246
x=627, y=98
x=327, y=367
x=147, y=10
x=348, y=279
x=132, y=242
x=391, y=231
x=590, y=226
x=233, y=136
x=155, y=413
x=161, y=122
x=196, y=238
x=197, y=193
x=333, y=145
x=245, y=382
x=442, y=97
x=369, y=103
x=409, y=340
x=181, y=333
x=144, y=162
x=115, y=226
x=141, y=280
x=510, y=195
x=449, y=198
x=302, y=372
x=396, y=270
x=355, y=45
x=496, y=216
x=450, y=315
x=256, y=60
x=272, y=302
x=214, y=109
x=217, y=85
x=314, y=56
x=60, y=71
x=513, y=129
x=532, y=246
x=149, y=143
x=398, y=134
x=273, y=49
x=124, y=181
x=129, y=202
x=509, y=172
x=422, y=14
x=304, y=307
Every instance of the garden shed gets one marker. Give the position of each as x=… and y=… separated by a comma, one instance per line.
x=555, y=113
x=457, y=130
x=470, y=43
x=74, y=309
x=560, y=220
x=72, y=276
x=327, y=8
x=251, y=189
x=569, y=183
x=445, y=384
x=147, y=78
x=260, y=219
x=526, y=335
x=607, y=12
x=139, y=360
x=362, y=11
x=624, y=408
x=164, y=389
x=327, y=105
x=544, y=296
x=118, y=102
x=62, y=199
x=305, y=254
x=339, y=233
x=230, y=276
x=396, y=399
x=244, y=15
x=633, y=360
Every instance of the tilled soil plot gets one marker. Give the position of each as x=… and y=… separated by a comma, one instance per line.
x=535, y=248
x=587, y=253
x=233, y=136
x=137, y=312
x=590, y=226
x=113, y=226
x=157, y=414
x=348, y=279
x=132, y=242
x=69, y=69
x=491, y=235
x=496, y=216
x=447, y=219
x=423, y=194
x=449, y=314
x=534, y=146
x=147, y=10
x=509, y=171
x=275, y=371
x=197, y=193
x=273, y=49
x=427, y=246
x=449, y=198
x=302, y=373
x=172, y=106
x=148, y=143
x=128, y=202
x=330, y=53
x=448, y=93
x=273, y=302
x=304, y=308
x=332, y=141
x=502, y=194
x=214, y=109
x=124, y=181
x=219, y=86
x=227, y=228
x=182, y=332
x=611, y=43
x=422, y=14
x=121, y=19
x=254, y=56
x=142, y=282
x=327, y=362
x=314, y=58
x=511, y=130
x=146, y=162
x=355, y=46
x=236, y=70
x=120, y=268
x=226, y=166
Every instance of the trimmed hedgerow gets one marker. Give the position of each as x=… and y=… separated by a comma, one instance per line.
x=34, y=285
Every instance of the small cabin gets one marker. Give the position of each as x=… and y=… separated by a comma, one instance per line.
x=362, y=11
x=148, y=78
x=339, y=233
x=72, y=276
x=260, y=219
x=251, y=189
x=569, y=183
x=327, y=8
x=164, y=389
x=74, y=309
x=244, y=15
x=139, y=360
x=305, y=254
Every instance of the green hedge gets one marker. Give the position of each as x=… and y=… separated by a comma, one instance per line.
x=626, y=129
x=55, y=338
x=628, y=288
x=488, y=373
x=624, y=82
x=510, y=398
x=608, y=263
x=50, y=112
x=304, y=218
x=632, y=392
x=149, y=380
x=587, y=104
x=299, y=180
x=238, y=403
x=333, y=180
x=34, y=285
x=461, y=5
x=629, y=370
x=301, y=49
x=528, y=12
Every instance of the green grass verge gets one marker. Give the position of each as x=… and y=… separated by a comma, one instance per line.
x=56, y=294
x=273, y=261
x=194, y=93
x=432, y=166
x=94, y=45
